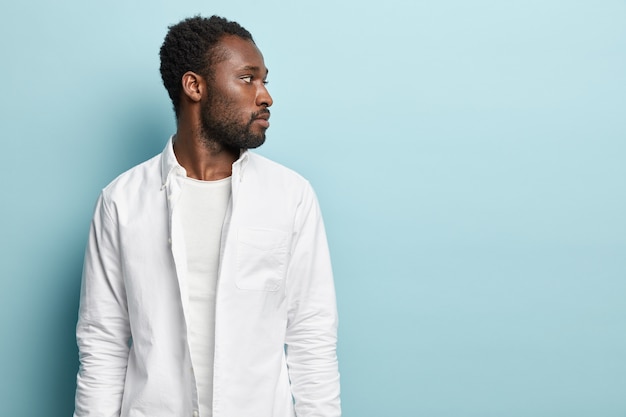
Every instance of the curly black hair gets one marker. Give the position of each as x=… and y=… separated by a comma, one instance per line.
x=189, y=46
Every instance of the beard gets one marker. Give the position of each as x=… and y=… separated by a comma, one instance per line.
x=220, y=125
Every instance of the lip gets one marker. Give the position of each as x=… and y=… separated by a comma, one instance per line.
x=263, y=120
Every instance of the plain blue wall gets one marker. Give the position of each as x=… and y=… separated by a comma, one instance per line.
x=469, y=156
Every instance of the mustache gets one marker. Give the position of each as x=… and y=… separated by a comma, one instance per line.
x=256, y=115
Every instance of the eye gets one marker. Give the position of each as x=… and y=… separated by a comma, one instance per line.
x=265, y=82
x=247, y=79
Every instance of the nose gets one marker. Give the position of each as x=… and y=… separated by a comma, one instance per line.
x=263, y=97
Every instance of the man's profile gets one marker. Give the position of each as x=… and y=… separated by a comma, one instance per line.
x=207, y=287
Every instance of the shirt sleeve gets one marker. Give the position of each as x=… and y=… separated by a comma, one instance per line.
x=103, y=331
x=311, y=337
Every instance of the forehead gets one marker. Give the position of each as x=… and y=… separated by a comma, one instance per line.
x=237, y=53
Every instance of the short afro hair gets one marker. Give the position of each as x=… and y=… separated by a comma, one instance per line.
x=189, y=46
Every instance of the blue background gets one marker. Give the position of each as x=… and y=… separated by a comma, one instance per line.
x=469, y=156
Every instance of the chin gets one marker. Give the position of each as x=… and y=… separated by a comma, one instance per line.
x=252, y=141
x=255, y=144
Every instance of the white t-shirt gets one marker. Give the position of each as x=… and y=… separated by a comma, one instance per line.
x=203, y=207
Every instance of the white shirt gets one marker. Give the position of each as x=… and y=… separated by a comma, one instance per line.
x=203, y=208
x=275, y=318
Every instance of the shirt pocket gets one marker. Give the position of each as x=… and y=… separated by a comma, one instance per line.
x=261, y=259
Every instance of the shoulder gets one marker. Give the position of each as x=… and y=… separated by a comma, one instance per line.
x=140, y=179
x=267, y=170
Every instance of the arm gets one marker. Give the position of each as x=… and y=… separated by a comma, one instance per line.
x=103, y=330
x=311, y=336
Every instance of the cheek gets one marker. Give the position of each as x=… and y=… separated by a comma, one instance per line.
x=231, y=103
x=239, y=95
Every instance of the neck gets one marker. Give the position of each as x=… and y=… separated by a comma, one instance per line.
x=206, y=161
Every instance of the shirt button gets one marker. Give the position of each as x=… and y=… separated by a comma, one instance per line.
x=195, y=413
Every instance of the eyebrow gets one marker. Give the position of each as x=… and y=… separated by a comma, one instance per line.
x=254, y=68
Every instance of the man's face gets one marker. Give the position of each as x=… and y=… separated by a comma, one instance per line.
x=235, y=113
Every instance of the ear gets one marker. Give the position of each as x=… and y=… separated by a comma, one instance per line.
x=193, y=86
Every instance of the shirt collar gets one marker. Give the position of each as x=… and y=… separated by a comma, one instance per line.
x=170, y=165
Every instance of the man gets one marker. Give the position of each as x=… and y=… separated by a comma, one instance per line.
x=207, y=287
